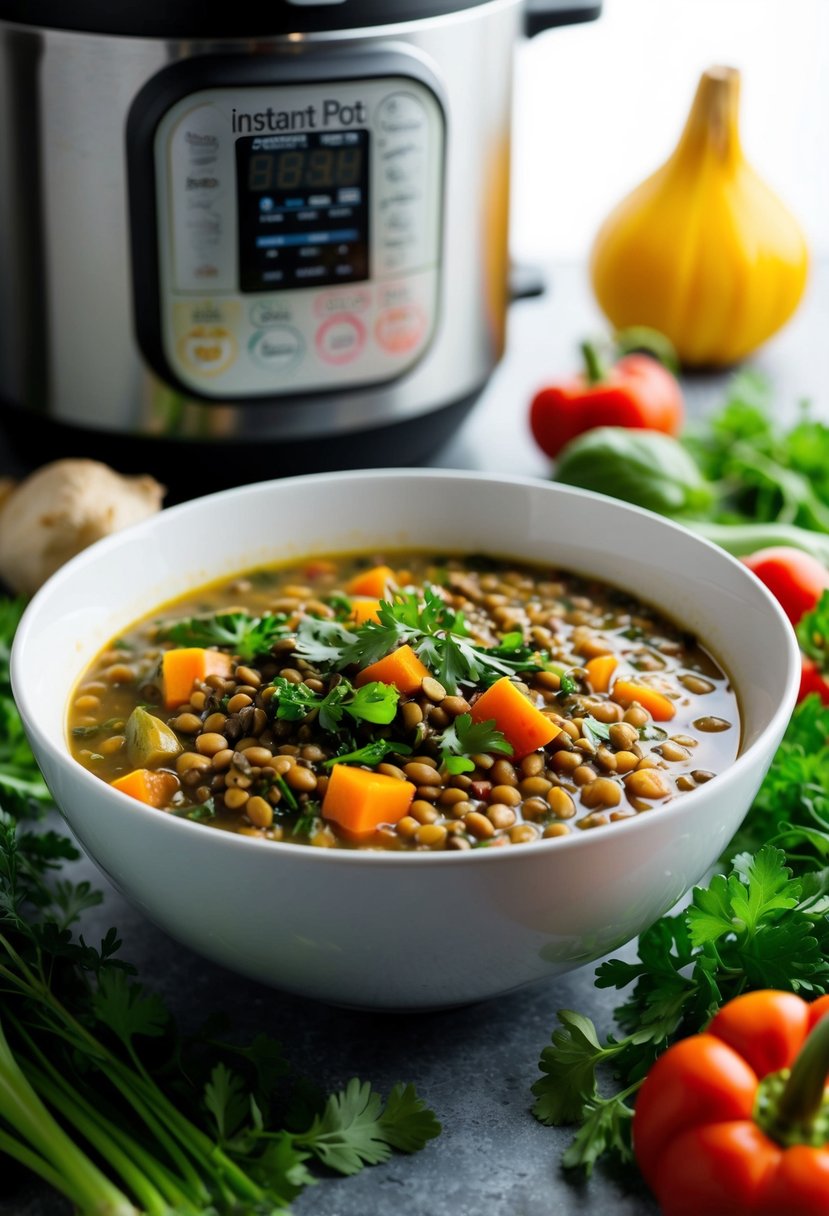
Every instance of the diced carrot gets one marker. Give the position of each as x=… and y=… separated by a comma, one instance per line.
x=660, y=708
x=181, y=669
x=156, y=789
x=599, y=671
x=358, y=800
x=365, y=610
x=374, y=582
x=524, y=727
x=402, y=668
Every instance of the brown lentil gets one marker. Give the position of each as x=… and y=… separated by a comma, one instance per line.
x=479, y=825
x=259, y=812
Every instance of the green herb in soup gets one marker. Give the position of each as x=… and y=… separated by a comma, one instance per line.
x=407, y=702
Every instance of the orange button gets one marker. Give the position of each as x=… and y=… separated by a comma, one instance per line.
x=399, y=330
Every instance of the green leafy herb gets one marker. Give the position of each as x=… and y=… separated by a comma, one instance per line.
x=100, y=728
x=813, y=633
x=287, y=793
x=594, y=730
x=463, y=738
x=568, y=685
x=356, y=1130
x=763, y=924
x=184, y=1128
x=373, y=753
x=436, y=632
x=238, y=632
x=306, y=822
x=374, y=702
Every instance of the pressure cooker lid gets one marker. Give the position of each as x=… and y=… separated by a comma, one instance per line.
x=244, y=18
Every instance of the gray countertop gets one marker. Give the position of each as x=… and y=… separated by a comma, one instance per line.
x=474, y=1065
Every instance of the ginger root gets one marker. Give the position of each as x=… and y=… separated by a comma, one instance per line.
x=59, y=510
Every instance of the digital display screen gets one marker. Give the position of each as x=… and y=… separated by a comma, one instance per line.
x=303, y=209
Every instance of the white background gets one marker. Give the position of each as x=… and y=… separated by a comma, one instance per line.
x=600, y=106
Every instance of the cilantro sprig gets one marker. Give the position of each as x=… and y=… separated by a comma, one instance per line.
x=244, y=635
x=436, y=632
x=373, y=753
x=463, y=738
x=374, y=702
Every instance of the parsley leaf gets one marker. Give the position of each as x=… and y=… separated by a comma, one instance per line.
x=568, y=685
x=356, y=1130
x=244, y=635
x=374, y=702
x=373, y=753
x=463, y=738
x=226, y=1100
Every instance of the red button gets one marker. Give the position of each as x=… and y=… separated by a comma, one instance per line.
x=341, y=338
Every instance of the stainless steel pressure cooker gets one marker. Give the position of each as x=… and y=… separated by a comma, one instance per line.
x=274, y=231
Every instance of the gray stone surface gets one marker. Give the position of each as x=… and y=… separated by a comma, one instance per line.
x=473, y=1065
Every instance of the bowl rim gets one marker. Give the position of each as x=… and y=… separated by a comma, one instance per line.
x=97, y=552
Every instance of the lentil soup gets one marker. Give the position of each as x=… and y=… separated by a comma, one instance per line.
x=405, y=701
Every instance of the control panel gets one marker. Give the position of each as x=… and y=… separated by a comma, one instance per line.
x=299, y=232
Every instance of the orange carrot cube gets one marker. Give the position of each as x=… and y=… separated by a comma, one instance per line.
x=402, y=668
x=182, y=668
x=375, y=582
x=358, y=800
x=155, y=789
x=365, y=610
x=523, y=726
x=660, y=707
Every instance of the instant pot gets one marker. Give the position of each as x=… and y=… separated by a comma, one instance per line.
x=274, y=233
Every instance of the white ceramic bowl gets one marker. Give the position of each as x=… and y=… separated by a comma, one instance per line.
x=403, y=930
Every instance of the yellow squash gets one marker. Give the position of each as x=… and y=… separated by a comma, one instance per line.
x=703, y=250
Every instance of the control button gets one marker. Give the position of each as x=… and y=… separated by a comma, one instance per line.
x=341, y=338
x=208, y=349
x=354, y=299
x=401, y=114
x=265, y=313
x=400, y=330
x=278, y=349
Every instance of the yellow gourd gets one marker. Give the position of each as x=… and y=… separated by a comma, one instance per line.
x=703, y=250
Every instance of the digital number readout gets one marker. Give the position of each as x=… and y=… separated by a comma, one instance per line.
x=305, y=168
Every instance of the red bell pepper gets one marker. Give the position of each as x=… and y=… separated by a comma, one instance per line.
x=796, y=579
x=636, y=392
x=735, y=1121
x=798, y=582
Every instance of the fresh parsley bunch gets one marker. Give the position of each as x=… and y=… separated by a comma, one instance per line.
x=436, y=632
x=763, y=924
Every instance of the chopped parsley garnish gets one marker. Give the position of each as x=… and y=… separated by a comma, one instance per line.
x=464, y=738
x=245, y=635
x=568, y=685
x=436, y=632
x=373, y=753
x=374, y=702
